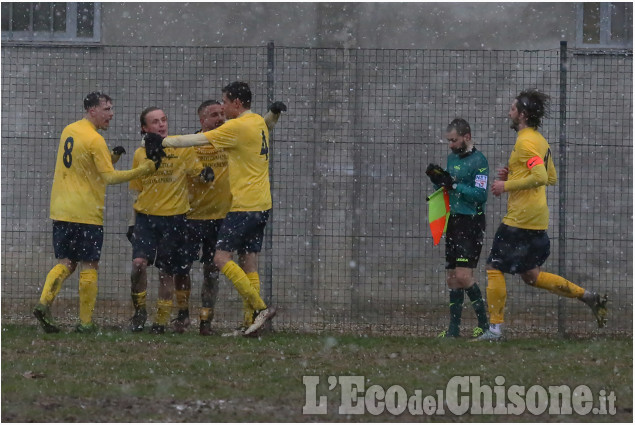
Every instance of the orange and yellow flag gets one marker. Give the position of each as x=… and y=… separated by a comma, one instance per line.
x=438, y=213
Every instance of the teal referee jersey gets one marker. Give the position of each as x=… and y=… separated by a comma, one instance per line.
x=470, y=171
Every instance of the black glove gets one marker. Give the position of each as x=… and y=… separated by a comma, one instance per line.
x=154, y=148
x=118, y=150
x=207, y=174
x=439, y=176
x=130, y=233
x=277, y=107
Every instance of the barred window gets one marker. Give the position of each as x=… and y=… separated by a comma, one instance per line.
x=51, y=22
x=605, y=25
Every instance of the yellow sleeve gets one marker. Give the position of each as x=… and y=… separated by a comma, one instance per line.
x=146, y=168
x=185, y=141
x=529, y=155
x=537, y=177
x=224, y=136
x=136, y=184
x=271, y=120
x=101, y=155
x=552, y=178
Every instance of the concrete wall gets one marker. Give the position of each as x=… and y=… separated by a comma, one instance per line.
x=365, y=25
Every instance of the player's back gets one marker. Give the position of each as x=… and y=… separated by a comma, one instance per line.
x=78, y=189
x=246, y=140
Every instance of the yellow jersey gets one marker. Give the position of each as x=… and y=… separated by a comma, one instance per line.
x=78, y=190
x=246, y=141
x=531, y=169
x=165, y=193
x=210, y=201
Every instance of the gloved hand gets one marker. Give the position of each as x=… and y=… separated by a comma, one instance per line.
x=439, y=176
x=207, y=174
x=277, y=107
x=154, y=149
x=130, y=233
x=118, y=150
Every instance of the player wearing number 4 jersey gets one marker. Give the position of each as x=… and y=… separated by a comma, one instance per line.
x=521, y=244
x=82, y=171
x=245, y=138
x=209, y=204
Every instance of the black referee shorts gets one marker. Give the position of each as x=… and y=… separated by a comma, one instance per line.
x=464, y=240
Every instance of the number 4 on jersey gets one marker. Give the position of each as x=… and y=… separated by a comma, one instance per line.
x=264, y=149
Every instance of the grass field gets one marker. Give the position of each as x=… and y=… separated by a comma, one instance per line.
x=115, y=376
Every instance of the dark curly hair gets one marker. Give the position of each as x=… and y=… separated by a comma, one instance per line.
x=535, y=106
x=238, y=90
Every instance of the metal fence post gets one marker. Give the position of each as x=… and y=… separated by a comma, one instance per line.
x=562, y=187
x=268, y=286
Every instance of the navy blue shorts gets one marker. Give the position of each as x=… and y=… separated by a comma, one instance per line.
x=518, y=250
x=202, y=233
x=242, y=232
x=464, y=240
x=77, y=241
x=161, y=241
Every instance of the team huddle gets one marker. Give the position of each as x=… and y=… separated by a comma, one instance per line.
x=206, y=196
x=227, y=179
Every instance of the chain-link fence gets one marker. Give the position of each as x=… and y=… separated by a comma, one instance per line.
x=348, y=246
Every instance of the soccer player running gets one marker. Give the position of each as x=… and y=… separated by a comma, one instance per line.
x=159, y=229
x=521, y=244
x=209, y=204
x=245, y=138
x=465, y=179
x=82, y=171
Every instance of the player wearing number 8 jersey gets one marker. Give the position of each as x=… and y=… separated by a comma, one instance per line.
x=82, y=171
x=245, y=138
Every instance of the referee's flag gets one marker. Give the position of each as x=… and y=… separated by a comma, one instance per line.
x=438, y=213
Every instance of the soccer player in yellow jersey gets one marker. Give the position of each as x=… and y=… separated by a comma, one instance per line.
x=245, y=138
x=159, y=230
x=521, y=244
x=209, y=204
x=82, y=171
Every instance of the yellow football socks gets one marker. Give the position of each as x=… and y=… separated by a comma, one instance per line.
x=496, y=296
x=243, y=285
x=139, y=300
x=164, y=310
x=183, y=298
x=87, y=295
x=206, y=313
x=558, y=285
x=247, y=310
x=53, y=283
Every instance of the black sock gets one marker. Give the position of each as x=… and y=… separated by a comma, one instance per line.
x=475, y=296
x=456, y=308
